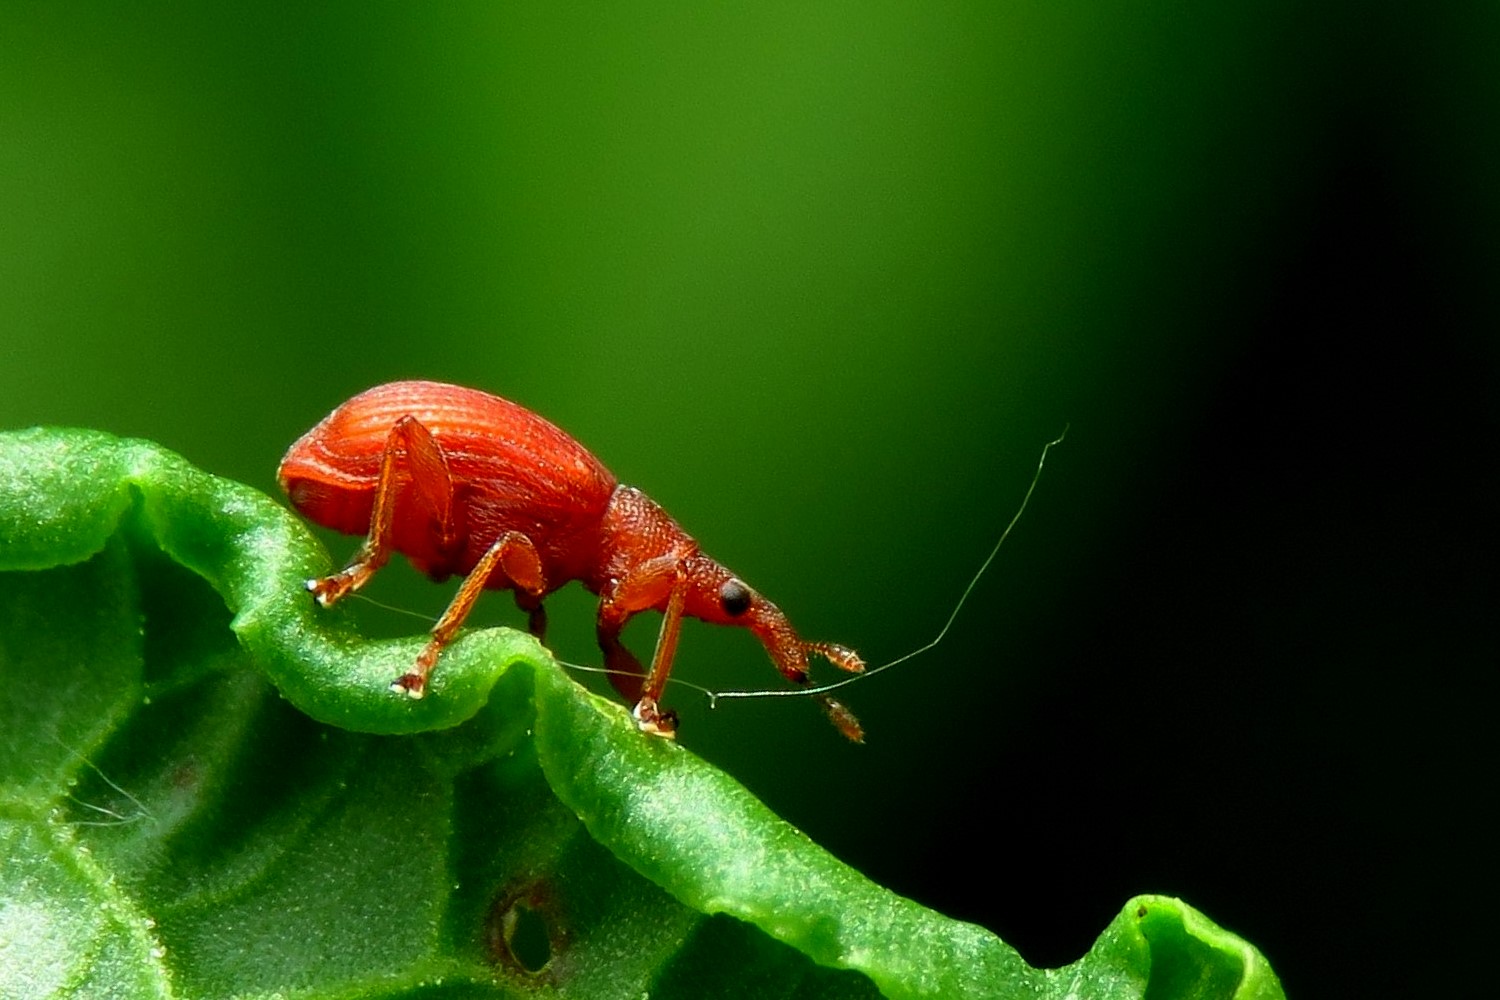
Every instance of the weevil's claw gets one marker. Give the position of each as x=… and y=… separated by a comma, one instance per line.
x=650, y=719
x=414, y=686
x=327, y=590
x=315, y=588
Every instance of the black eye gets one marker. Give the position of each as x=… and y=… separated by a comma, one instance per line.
x=735, y=598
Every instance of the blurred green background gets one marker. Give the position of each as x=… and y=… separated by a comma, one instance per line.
x=822, y=279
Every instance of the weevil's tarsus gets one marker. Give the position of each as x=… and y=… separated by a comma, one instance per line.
x=649, y=718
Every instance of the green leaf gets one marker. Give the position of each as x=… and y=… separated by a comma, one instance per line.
x=208, y=791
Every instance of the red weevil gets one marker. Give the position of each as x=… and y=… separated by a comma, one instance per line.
x=463, y=482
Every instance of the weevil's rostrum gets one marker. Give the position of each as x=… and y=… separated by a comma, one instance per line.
x=465, y=483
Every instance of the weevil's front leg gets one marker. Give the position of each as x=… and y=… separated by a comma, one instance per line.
x=647, y=713
x=513, y=556
x=411, y=454
x=648, y=585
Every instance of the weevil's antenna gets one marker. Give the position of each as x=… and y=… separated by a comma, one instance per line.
x=714, y=696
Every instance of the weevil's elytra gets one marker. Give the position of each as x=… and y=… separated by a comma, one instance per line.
x=465, y=483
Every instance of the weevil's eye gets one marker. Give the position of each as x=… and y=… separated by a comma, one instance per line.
x=734, y=596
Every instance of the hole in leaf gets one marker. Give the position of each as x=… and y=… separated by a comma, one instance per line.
x=524, y=929
x=526, y=936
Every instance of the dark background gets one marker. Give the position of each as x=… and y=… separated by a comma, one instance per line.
x=823, y=282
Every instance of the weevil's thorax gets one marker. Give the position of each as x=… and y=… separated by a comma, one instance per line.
x=633, y=531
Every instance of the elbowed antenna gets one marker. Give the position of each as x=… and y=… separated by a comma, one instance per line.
x=789, y=652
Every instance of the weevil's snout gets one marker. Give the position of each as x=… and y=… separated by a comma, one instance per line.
x=790, y=654
x=720, y=597
x=782, y=643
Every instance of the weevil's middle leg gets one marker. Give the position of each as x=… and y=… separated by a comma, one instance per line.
x=513, y=555
x=624, y=670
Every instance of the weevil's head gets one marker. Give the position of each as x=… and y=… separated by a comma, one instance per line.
x=637, y=531
x=716, y=595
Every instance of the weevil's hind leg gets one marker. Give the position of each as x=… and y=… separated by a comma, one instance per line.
x=624, y=671
x=516, y=558
x=411, y=454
